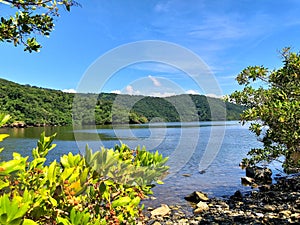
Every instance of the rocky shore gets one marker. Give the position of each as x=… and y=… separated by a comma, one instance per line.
x=21, y=124
x=277, y=203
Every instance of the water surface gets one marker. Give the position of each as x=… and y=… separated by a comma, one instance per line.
x=188, y=140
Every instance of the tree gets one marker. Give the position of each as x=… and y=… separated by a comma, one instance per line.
x=274, y=109
x=31, y=17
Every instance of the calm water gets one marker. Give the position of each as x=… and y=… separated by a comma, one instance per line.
x=190, y=146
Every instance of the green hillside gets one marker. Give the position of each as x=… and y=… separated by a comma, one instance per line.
x=35, y=106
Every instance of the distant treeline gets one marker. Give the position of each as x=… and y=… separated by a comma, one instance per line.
x=34, y=106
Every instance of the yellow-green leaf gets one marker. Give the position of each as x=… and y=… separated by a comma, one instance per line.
x=3, y=136
x=121, y=201
x=29, y=222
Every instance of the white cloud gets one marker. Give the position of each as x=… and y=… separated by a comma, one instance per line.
x=130, y=90
x=214, y=96
x=155, y=81
x=116, y=92
x=192, y=92
x=162, y=94
x=69, y=90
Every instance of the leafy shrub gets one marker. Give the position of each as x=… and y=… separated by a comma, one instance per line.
x=103, y=187
x=273, y=110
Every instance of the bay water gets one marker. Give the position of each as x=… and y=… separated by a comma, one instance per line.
x=203, y=156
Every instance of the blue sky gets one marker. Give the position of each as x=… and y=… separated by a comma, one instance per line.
x=228, y=35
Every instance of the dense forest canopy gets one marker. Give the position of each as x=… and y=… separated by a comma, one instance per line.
x=33, y=106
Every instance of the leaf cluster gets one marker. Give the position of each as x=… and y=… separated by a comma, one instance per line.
x=273, y=109
x=103, y=187
x=31, y=17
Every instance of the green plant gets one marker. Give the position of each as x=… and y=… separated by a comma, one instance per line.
x=12, y=211
x=31, y=17
x=103, y=187
x=274, y=109
x=3, y=120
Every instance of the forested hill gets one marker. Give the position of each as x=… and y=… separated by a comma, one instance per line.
x=32, y=105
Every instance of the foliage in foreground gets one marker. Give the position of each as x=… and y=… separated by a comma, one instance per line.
x=31, y=17
x=103, y=187
x=274, y=108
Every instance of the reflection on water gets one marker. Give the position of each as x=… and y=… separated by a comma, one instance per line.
x=221, y=178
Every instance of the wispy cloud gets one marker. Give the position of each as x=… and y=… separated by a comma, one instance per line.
x=218, y=28
x=155, y=67
x=162, y=7
x=211, y=29
x=228, y=77
x=155, y=81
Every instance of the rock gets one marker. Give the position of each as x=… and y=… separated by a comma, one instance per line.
x=259, y=174
x=238, y=218
x=270, y=208
x=295, y=216
x=196, y=197
x=224, y=205
x=247, y=181
x=156, y=223
x=237, y=196
x=272, y=215
x=264, y=175
x=18, y=124
x=186, y=175
x=197, y=211
x=264, y=187
x=175, y=207
x=183, y=221
x=251, y=206
x=202, y=206
x=277, y=203
x=198, y=218
x=285, y=213
x=161, y=211
x=250, y=172
x=194, y=222
x=259, y=214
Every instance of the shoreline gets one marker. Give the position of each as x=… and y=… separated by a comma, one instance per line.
x=277, y=203
x=22, y=124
